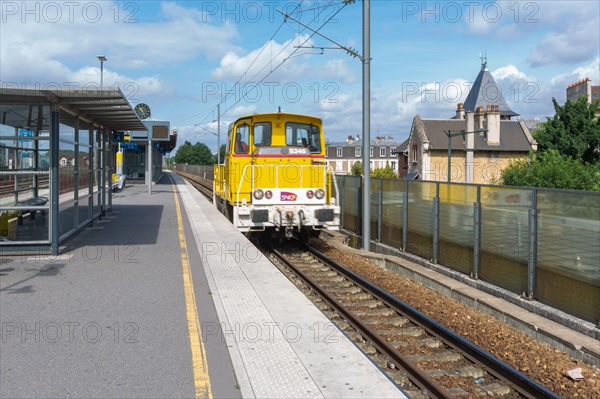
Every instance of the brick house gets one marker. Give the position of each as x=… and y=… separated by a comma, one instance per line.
x=476, y=157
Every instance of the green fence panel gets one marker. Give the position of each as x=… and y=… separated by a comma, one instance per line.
x=391, y=212
x=352, y=203
x=420, y=218
x=505, y=237
x=568, y=260
x=457, y=229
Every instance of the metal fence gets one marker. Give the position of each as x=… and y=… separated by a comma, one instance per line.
x=543, y=243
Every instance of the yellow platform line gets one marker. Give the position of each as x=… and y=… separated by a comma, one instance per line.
x=199, y=363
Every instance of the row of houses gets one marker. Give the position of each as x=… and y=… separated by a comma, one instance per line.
x=476, y=143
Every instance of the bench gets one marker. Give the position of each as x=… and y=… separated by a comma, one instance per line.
x=36, y=201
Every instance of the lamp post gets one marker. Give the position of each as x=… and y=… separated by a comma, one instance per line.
x=102, y=58
x=454, y=133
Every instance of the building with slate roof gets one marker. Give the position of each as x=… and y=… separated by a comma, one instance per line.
x=486, y=92
x=342, y=155
x=476, y=157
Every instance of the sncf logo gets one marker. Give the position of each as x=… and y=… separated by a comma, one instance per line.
x=285, y=196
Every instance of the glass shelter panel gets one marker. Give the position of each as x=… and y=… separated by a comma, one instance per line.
x=420, y=218
x=24, y=173
x=457, y=228
x=67, y=207
x=568, y=261
x=83, y=173
x=505, y=237
x=391, y=212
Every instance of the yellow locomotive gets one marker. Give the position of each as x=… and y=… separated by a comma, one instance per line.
x=275, y=176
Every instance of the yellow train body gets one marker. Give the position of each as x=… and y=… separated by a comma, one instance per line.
x=275, y=175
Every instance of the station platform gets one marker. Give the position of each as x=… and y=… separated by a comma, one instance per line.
x=164, y=298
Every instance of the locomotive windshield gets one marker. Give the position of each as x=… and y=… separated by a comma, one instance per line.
x=262, y=134
x=303, y=135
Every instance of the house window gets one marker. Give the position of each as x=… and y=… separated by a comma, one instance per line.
x=371, y=152
x=414, y=153
x=393, y=164
x=357, y=152
x=382, y=152
x=339, y=152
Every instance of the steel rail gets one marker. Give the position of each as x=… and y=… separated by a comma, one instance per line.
x=523, y=384
x=419, y=378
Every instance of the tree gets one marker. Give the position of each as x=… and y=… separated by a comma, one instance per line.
x=356, y=169
x=387, y=172
x=574, y=131
x=551, y=169
x=222, y=153
x=197, y=154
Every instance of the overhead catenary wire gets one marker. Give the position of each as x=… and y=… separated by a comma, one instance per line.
x=314, y=31
x=249, y=66
x=289, y=56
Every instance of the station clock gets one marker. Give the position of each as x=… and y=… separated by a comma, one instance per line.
x=142, y=110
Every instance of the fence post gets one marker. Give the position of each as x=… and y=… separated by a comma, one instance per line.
x=477, y=234
x=342, y=204
x=359, y=219
x=379, y=209
x=436, y=223
x=531, y=265
x=405, y=216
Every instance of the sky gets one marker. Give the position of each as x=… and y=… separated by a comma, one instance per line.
x=186, y=58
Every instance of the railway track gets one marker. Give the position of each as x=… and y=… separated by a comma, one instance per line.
x=205, y=186
x=424, y=358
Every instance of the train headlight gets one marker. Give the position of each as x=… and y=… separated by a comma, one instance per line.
x=268, y=194
x=310, y=194
x=258, y=194
x=320, y=194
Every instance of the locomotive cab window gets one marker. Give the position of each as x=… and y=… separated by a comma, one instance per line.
x=242, y=138
x=262, y=134
x=303, y=135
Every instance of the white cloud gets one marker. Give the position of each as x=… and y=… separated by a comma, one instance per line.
x=259, y=62
x=510, y=72
x=242, y=110
x=284, y=62
x=579, y=42
x=573, y=32
x=55, y=50
x=591, y=70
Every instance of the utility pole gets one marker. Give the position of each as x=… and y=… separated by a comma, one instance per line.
x=366, y=119
x=219, y=133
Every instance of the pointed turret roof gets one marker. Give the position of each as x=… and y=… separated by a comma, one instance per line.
x=485, y=92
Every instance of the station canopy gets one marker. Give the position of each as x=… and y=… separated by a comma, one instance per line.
x=107, y=107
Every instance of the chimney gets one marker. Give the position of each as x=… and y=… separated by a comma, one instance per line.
x=493, y=125
x=479, y=117
x=350, y=139
x=460, y=111
x=357, y=137
x=470, y=120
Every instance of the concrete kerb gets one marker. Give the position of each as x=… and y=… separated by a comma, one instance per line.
x=395, y=260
